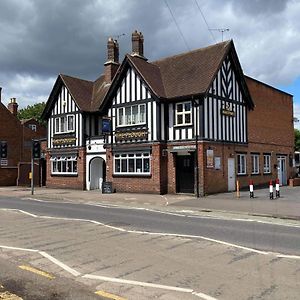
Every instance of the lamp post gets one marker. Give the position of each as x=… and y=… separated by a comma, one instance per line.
x=196, y=103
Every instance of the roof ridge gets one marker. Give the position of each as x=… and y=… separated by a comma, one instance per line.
x=73, y=77
x=189, y=52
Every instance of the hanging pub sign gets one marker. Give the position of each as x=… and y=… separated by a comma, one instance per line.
x=106, y=125
x=228, y=110
x=209, y=158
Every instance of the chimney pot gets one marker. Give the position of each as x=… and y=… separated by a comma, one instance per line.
x=138, y=44
x=112, y=63
x=13, y=106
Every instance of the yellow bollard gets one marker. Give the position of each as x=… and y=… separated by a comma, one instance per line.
x=237, y=189
x=30, y=175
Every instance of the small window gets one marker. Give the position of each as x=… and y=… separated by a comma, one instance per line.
x=255, y=163
x=183, y=113
x=32, y=127
x=64, y=124
x=267, y=164
x=241, y=164
x=132, y=115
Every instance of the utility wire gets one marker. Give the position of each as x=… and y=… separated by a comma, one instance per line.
x=185, y=42
x=202, y=14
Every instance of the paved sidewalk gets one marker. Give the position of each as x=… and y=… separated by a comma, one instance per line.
x=287, y=206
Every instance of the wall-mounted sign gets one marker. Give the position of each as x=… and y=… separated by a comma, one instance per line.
x=106, y=125
x=129, y=135
x=217, y=163
x=3, y=162
x=228, y=110
x=64, y=141
x=209, y=158
x=187, y=148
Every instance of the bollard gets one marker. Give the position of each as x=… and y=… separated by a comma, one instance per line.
x=277, y=188
x=251, y=189
x=271, y=189
x=237, y=189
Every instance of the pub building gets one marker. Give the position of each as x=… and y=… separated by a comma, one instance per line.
x=189, y=123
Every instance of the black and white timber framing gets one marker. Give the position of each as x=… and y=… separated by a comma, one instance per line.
x=222, y=113
x=65, y=106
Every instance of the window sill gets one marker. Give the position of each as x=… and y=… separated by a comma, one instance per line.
x=183, y=125
x=255, y=174
x=132, y=175
x=242, y=175
x=63, y=175
x=269, y=173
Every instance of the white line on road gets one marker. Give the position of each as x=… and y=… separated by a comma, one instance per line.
x=59, y=263
x=166, y=234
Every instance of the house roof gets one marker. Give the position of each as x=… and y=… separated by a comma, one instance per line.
x=184, y=75
x=88, y=95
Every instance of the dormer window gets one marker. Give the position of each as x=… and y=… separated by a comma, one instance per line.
x=183, y=113
x=132, y=115
x=64, y=124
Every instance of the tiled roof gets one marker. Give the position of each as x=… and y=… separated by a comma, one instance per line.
x=190, y=73
x=88, y=95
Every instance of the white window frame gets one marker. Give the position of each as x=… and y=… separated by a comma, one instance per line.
x=267, y=163
x=32, y=127
x=255, y=163
x=64, y=122
x=64, y=165
x=183, y=113
x=141, y=117
x=129, y=162
x=241, y=164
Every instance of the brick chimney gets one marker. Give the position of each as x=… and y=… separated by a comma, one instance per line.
x=13, y=106
x=137, y=44
x=112, y=64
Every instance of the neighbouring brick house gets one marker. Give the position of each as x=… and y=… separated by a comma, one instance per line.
x=15, y=167
x=189, y=123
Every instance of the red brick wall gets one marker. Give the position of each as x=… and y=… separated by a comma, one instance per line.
x=73, y=182
x=271, y=121
x=154, y=183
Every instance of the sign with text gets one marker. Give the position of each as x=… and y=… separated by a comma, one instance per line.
x=209, y=158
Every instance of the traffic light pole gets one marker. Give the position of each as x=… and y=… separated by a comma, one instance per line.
x=32, y=171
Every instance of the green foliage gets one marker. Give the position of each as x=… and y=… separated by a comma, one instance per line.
x=32, y=111
x=297, y=139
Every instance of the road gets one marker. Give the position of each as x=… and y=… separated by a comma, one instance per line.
x=260, y=236
x=144, y=254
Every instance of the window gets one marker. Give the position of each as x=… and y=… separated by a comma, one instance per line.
x=183, y=113
x=32, y=127
x=255, y=163
x=267, y=163
x=241, y=164
x=132, y=115
x=64, y=124
x=64, y=165
x=132, y=163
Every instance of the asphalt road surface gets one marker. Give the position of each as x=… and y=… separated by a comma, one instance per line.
x=260, y=236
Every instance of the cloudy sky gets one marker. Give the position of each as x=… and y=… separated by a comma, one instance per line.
x=42, y=38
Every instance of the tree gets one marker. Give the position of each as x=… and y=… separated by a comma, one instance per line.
x=297, y=139
x=32, y=111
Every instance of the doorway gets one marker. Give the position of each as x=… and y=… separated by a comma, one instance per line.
x=96, y=173
x=185, y=177
x=281, y=169
x=231, y=174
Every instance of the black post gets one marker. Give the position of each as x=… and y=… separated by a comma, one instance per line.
x=196, y=103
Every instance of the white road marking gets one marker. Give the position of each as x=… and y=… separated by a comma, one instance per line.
x=60, y=264
x=168, y=234
x=138, y=283
x=181, y=213
x=17, y=248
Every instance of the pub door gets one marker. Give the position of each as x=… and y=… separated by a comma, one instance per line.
x=185, y=176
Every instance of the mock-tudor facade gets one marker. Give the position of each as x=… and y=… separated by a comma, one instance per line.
x=190, y=123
